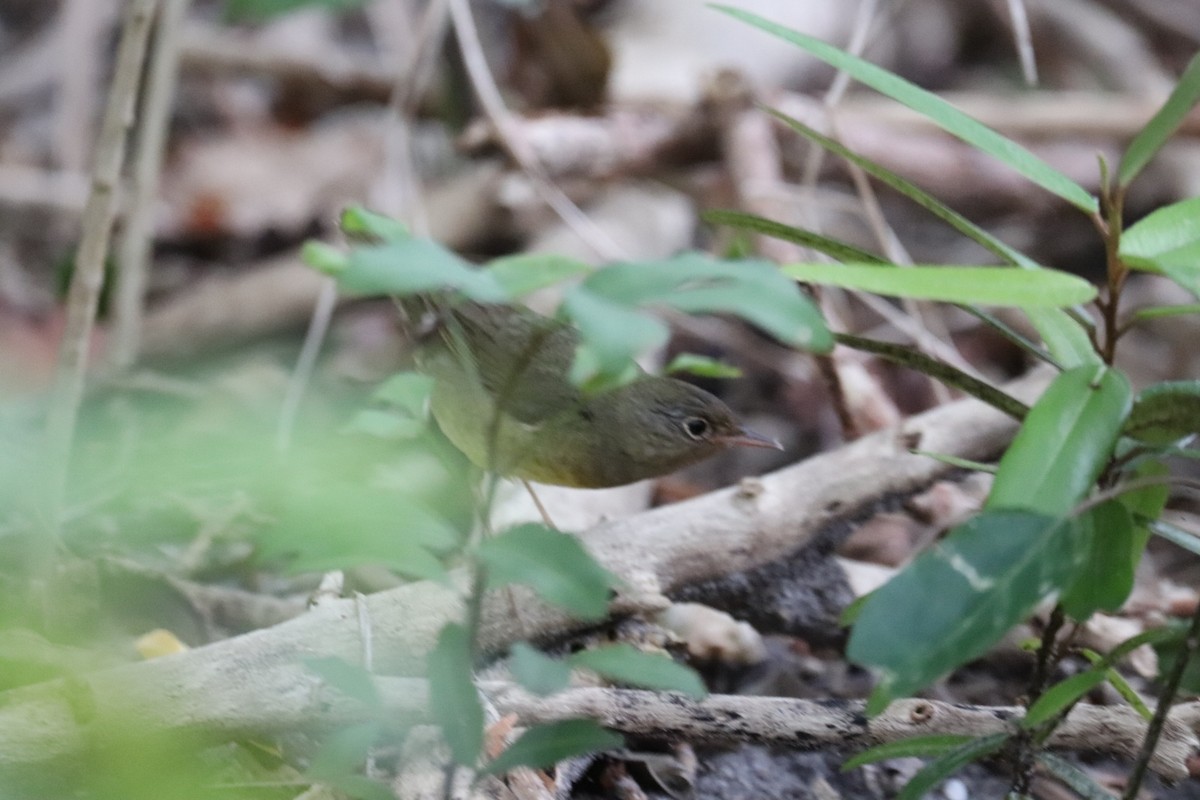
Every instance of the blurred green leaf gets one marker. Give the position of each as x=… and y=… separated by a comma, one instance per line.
x=989, y=572
x=406, y=390
x=777, y=230
x=1105, y=578
x=536, y=671
x=553, y=564
x=1064, y=442
x=699, y=284
x=343, y=751
x=1062, y=694
x=413, y=266
x=1167, y=241
x=1156, y=312
x=1000, y=286
x=324, y=258
x=623, y=663
x=612, y=334
x=703, y=366
x=1165, y=121
x=351, y=680
x=937, y=110
x=263, y=10
x=1165, y=412
x=1072, y=777
x=385, y=424
x=1180, y=537
x=525, y=273
x=945, y=766
x=916, y=747
x=546, y=745
x=1168, y=652
x=453, y=700
x=360, y=223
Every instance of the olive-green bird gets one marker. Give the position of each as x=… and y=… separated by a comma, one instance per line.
x=487, y=359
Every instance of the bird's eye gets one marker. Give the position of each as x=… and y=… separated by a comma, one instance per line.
x=696, y=427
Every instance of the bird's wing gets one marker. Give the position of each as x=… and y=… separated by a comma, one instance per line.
x=522, y=358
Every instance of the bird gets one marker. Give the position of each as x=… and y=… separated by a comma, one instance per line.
x=502, y=395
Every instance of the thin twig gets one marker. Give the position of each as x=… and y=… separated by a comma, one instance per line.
x=133, y=248
x=88, y=278
x=1024, y=40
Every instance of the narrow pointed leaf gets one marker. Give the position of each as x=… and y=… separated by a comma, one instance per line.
x=913, y=192
x=362, y=224
x=1165, y=121
x=1062, y=694
x=1065, y=338
x=1000, y=286
x=938, y=370
x=842, y=251
x=990, y=572
x=1073, y=777
x=1064, y=442
x=916, y=747
x=525, y=273
x=546, y=745
x=941, y=113
x=626, y=664
x=703, y=366
x=937, y=771
x=453, y=700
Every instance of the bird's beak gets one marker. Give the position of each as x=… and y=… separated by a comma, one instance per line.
x=748, y=438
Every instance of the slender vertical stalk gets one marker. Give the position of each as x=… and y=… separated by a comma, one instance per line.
x=133, y=249
x=88, y=278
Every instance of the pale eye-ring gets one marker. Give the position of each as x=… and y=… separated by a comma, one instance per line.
x=696, y=427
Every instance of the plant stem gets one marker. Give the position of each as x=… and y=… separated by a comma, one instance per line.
x=1187, y=648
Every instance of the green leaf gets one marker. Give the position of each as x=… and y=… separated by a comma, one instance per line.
x=916, y=747
x=350, y=679
x=699, y=284
x=989, y=572
x=526, y=273
x=1001, y=286
x=1128, y=693
x=453, y=701
x=263, y=10
x=777, y=230
x=546, y=745
x=406, y=390
x=536, y=671
x=386, y=424
x=343, y=751
x=1168, y=657
x=1156, y=312
x=1065, y=338
x=1062, y=694
x=361, y=224
x=1064, y=443
x=623, y=663
x=1165, y=121
x=941, y=113
x=939, y=370
x=324, y=258
x=1073, y=777
x=937, y=771
x=612, y=334
x=554, y=564
x=703, y=366
x=413, y=266
x=1165, y=412
x=337, y=524
x=913, y=192
x=1167, y=241
x=1105, y=579
x=1176, y=535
